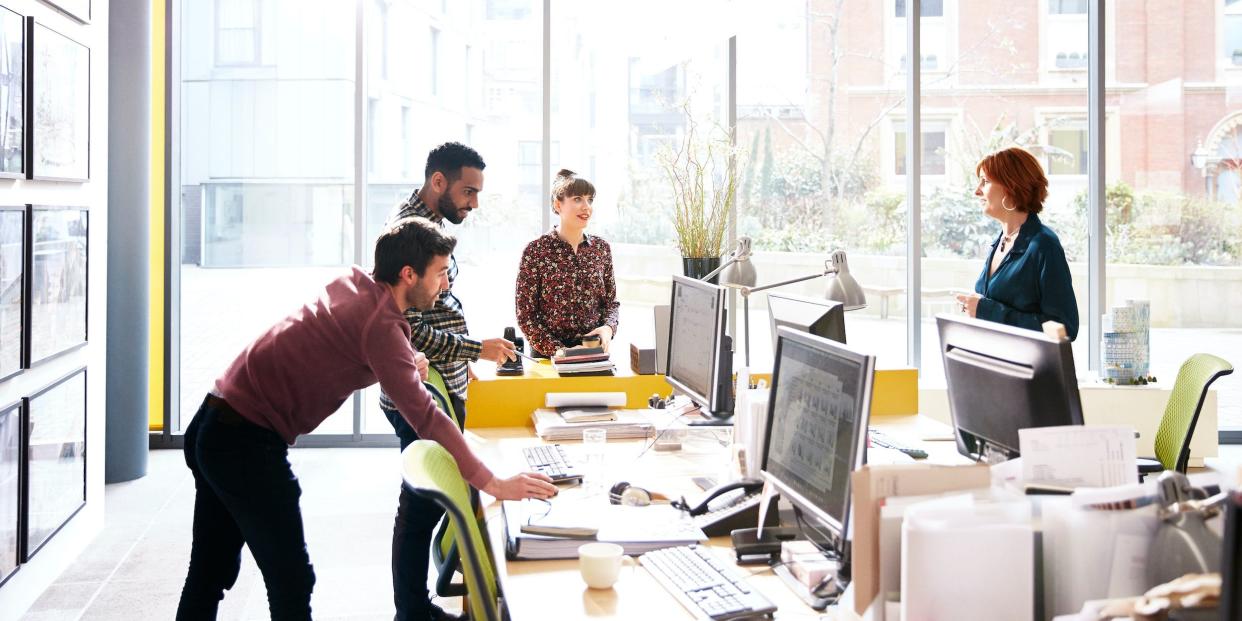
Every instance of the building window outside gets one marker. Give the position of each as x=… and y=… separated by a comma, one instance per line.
x=1231, y=39
x=1065, y=35
x=938, y=37
x=1068, y=155
x=237, y=32
x=933, y=152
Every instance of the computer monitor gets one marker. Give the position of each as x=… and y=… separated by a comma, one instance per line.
x=818, y=410
x=818, y=316
x=700, y=353
x=1002, y=379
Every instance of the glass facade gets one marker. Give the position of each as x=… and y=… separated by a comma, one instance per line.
x=278, y=117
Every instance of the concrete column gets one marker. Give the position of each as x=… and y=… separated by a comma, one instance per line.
x=129, y=193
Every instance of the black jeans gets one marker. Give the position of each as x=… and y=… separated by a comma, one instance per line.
x=411, y=533
x=245, y=492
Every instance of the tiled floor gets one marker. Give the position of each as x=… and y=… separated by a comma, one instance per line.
x=135, y=568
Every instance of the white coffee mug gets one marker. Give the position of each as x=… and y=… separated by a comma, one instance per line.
x=600, y=564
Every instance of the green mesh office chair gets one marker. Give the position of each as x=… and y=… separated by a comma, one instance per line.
x=1181, y=413
x=429, y=471
x=444, y=554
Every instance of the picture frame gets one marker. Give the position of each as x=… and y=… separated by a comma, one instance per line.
x=11, y=469
x=57, y=275
x=77, y=9
x=55, y=464
x=12, y=289
x=13, y=151
x=59, y=117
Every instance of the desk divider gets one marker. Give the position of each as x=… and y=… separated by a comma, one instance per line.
x=509, y=401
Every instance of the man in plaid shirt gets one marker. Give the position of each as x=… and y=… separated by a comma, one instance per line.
x=452, y=181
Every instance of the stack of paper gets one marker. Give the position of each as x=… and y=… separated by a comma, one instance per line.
x=552, y=427
x=598, y=367
x=636, y=529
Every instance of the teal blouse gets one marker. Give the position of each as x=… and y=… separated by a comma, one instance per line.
x=1032, y=283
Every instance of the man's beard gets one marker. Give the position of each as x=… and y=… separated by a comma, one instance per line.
x=448, y=210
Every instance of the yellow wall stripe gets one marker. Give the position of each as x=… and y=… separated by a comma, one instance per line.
x=155, y=405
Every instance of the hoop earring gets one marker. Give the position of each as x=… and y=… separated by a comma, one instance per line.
x=1004, y=206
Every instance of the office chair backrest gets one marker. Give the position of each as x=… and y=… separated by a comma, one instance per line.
x=429, y=471
x=439, y=392
x=444, y=553
x=1181, y=413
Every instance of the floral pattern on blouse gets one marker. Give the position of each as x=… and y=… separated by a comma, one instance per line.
x=561, y=294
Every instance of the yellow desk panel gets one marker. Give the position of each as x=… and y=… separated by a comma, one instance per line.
x=508, y=401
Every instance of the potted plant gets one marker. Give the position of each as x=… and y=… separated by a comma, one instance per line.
x=702, y=174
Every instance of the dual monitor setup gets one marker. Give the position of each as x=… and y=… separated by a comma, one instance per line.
x=1000, y=379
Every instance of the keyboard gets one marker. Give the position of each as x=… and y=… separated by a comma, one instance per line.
x=705, y=585
x=550, y=459
x=878, y=438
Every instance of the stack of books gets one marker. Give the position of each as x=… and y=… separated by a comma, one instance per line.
x=552, y=426
x=583, y=361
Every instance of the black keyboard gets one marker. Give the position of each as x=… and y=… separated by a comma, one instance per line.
x=879, y=439
x=705, y=585
x=550, y=459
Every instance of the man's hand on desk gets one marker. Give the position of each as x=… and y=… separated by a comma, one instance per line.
x=517, y=487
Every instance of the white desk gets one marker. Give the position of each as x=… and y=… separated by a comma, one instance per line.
x=554, y=589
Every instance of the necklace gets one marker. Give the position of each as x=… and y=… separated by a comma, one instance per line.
x=1008, y=239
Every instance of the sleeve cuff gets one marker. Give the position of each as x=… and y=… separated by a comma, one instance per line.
x=471, y=349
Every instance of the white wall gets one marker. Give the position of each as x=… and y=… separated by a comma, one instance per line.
x=63, y=549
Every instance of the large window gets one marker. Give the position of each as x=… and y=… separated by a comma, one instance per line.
x=1172, y=208
x=997, y=100
x=624, y=90
x=270, y=94
x=266, y=172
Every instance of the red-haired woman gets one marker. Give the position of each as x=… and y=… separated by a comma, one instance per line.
x=1026, y=279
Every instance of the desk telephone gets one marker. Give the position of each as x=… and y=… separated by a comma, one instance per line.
x=512, y=367
x=730, y=506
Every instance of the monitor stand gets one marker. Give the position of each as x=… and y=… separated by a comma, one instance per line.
x=819, y=599
x=707, y=418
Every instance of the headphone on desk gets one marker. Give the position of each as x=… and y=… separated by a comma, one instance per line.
x=632, y=496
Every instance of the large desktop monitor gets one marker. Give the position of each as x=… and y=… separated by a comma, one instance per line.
x=700, y=353
x=1002, y=379
x=817, y=316
x=816, y=432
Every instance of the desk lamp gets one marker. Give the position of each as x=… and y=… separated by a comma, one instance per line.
x=841, y=287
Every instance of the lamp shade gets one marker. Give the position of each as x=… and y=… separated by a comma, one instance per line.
x=841, y=285
x=742, y=271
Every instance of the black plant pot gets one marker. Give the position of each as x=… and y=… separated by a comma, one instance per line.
x=698, y=267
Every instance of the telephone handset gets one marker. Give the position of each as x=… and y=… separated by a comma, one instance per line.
x=748, y=486
x=730, y=506
x=512, y=367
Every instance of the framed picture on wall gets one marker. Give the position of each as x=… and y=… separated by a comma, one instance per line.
x=59, y=106
x=12, y=94
x=77, y=9
x=55, y=459
x=56, y=289
x=10, y=489
x=12, y=288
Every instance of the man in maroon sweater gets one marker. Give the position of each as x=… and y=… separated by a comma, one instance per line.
x=285, y=384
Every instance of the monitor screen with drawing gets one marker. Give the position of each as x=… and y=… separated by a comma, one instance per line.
x=817, y=421
x=700, y=355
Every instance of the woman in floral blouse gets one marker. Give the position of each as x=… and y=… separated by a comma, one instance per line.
x=565, y=286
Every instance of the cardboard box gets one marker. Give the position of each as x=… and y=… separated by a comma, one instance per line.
x=870, y=485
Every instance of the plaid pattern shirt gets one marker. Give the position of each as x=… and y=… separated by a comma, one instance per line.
x=441, y=332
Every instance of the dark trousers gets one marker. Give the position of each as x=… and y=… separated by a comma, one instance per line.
x=411, y=533
x=245, y=493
